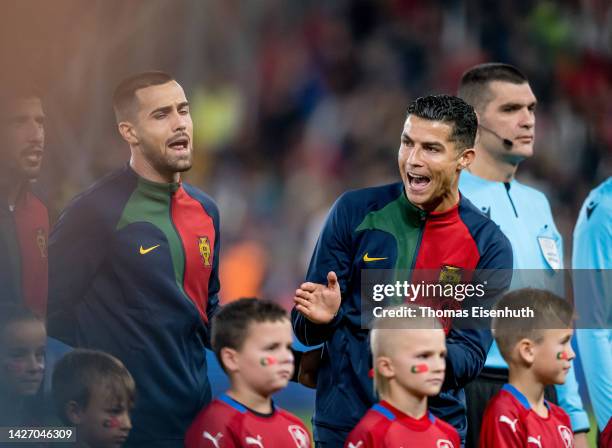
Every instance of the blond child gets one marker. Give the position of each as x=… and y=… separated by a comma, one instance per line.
x=409, y=365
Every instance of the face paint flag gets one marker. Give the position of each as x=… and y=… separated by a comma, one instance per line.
x=112, y=422
x=419, y=368
x=563, y=355
x=267, y=361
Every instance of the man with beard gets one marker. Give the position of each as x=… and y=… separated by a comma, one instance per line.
x=134, y=263
x=24, y=221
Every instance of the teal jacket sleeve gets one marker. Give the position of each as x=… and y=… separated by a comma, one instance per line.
x=333, y=252
x=592, y=264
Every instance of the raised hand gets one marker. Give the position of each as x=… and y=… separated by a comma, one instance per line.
x=319, y=303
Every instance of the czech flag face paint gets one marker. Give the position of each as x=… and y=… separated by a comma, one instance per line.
x=268, y=361
x=563, y=356
x=419, y=368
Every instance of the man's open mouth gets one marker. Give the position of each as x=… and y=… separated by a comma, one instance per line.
x=418, y=182
x=33, y=156
x=179, y=143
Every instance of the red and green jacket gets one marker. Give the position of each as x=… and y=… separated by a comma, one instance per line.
x=378, y=228
x=133, y=271
x=24, y=230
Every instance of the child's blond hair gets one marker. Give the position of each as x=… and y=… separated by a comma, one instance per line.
x=385, y=329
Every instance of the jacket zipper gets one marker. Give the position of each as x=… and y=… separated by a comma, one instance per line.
x=423, y=219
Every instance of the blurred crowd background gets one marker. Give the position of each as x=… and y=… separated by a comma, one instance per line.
x=294, y=102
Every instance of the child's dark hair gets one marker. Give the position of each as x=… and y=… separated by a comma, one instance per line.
x=549, y=312
x=231, y=325
x=77, y=374
x=10, y=314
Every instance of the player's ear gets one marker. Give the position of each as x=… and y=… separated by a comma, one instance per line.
x=229, y=358
x=73, y=412
x=128, y=132
x=526, y=350
x=466, y=158
x=478, y=133
x=384, y=366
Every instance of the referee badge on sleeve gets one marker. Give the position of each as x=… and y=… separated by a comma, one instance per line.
x=550, y=251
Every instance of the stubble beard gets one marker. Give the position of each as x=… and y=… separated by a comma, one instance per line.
x=168, y=163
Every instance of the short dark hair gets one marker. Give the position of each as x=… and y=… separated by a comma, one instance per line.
x=123, y=97
x=549, y=312
x=11, y=91
x=474, y=85
x=12, y=313
x=451, y=110
x=78, y=372
x=230, y=326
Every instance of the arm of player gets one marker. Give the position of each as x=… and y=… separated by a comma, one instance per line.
x=77, y=247
x=467, y=352
x=214, y=285
x=319, y=303
x=468, y=348
x=307, y=367
x=596, y=359
x=592, y=277
x=318, y=311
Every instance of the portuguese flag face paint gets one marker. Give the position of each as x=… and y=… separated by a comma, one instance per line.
x=563, y=355
x=112, y=422
x=419, y=368
x=268, y=361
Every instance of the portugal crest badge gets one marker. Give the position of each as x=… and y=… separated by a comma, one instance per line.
x=41, y=242
x=450, y=274
x=204, y=246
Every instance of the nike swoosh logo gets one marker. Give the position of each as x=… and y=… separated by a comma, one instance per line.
x=144, y=251
x=368, y=259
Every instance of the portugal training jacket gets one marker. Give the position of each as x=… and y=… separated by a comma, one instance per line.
x=134, y=272
x=378, y=228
